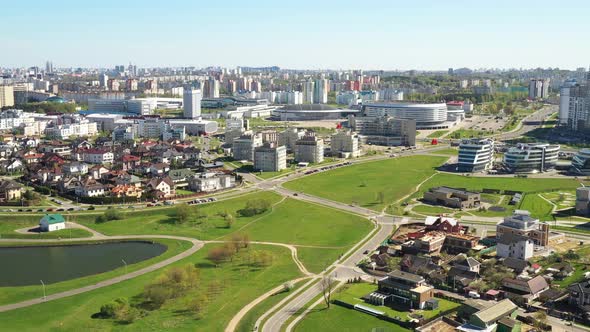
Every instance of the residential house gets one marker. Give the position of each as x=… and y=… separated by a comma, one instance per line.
x=98, y=156
x=181, y=177
x=579, y=295
x=420, y=265
x=10, y=191
x=126, y=190
x=75, y=168
x=161, y=187
x=515, y=246
x=88, y=187
x=443, y=224
x=158, y=169
x=429, y=243
x=404, y=288
x=52, y=222
x=9, y=166
x=130, y=162
x=525, y=289
x=460, y=243
x=98, y=171
x=521, y=223
x=484, y=315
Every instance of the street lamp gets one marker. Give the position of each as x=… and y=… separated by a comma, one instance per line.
x=44, y=297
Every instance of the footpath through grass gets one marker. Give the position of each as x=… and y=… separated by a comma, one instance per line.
x=373, y=184
x=228, y=288
x=17, y=294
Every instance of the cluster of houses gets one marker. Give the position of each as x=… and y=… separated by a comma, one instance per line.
x=440, y=253
x=103, y=168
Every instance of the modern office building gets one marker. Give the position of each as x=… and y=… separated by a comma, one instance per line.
x=539, y=88
x=345, y=143
x=426, y=115
x=403, y=288
x=320, y=93
x=244, y=146
x=531, y=157
x=311, y=112
x=270, y=158
x=581, y=162
x=191, y=101
x=6, y=96
x=309, y=148
x=384, y=130
x=143, y=106
x=476, y=155
x=451, y=197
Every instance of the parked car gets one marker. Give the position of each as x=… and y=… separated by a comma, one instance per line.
x=473, y=295
x=150, y=205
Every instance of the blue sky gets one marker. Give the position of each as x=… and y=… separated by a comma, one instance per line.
x=343, y=34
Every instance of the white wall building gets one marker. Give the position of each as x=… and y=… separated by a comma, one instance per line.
x=476, y=155
x=345, y=143
x=309, y=148
x=270, y=158
x=191, y=101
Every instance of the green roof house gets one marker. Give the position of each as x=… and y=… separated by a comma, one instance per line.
x=52, y=222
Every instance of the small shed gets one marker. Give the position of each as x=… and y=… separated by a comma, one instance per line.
x=432, y=304
x=52, y=222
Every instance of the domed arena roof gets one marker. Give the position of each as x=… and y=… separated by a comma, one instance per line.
x=309, y=107
x=55, y=99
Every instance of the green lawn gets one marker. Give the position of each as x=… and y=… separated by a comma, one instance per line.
x=268, y=175
x=340, y=319
x=317, y=259
x=228, y=288
x=17, y=294
x=437, y=133
x=563, y=199
x=8, y=227
x=537, y=206
x=184, y=192
x=362, y=183
x=301, y=223
x=448, y=152
x=432, y=209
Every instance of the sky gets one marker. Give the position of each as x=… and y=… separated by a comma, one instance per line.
x=297, y=34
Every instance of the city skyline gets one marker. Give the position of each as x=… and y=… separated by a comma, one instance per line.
x=424, y=35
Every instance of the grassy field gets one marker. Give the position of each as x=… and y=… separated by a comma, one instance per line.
x=437, y=133
x=362, y=183
x=317, y=259
x=448, y=152
x=432, y=209
x=268, y=175
x=340, y=319
x=8, y=227
x=17, y=294
x=537, y=206
x=301, y=223
x=228, y=287
x=562, y=199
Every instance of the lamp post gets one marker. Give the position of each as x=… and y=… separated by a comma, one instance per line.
x=43, y=284
x=122, y=260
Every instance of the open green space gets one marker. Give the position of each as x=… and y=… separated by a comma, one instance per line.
x=340, y=319
x=563, y=199
x=448, y=152
x=268, y=175
x=437, y=134
x=317, y=260
x=373, y=184
x=17, y=294
x=226, y=288
x=432, y=209
x=8, y=227
x=297, y=222
x=537, y=206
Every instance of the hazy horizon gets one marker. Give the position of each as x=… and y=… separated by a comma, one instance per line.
x=375, y=35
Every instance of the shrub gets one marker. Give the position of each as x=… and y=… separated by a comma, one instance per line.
x=254, y=207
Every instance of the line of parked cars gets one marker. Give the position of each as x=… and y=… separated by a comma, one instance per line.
x=326, y=168
x=202, y=200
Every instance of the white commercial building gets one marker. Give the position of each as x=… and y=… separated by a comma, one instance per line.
x=531, y=158
x=427, y=116
x=191, y=101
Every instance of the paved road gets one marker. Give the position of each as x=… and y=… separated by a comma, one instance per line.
x=196, y=246
x=537, y=116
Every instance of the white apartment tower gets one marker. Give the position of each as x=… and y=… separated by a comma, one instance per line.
x=191, y=101
x=307, y=90
x=320, y=93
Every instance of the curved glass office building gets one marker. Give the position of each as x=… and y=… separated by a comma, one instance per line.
x=581, y=162
x=531, y=158
x=427, y=115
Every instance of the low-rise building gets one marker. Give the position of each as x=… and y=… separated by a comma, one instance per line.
x=52, y=222
x=98, y=156
x=528, y=289
x=208, y=182
x=451, y=197
x=531, y=157
x=10, y=191
x=404, y=288
x=385, y=130
x=244, y=146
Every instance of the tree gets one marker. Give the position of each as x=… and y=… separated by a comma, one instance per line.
x=197, y=304
x=393, y=263
x=540, y=319
x=218, y=255
x=326, y=287
x=112, y=214
x=254, y=207
x=229, y=220
x=183, y=213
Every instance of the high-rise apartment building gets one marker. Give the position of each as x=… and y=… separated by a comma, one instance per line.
x=270, y=157
x=320, y=93
x=212, y=88
x=6, y=95
x=539, y=88
x=307, y=90
x=191, y=102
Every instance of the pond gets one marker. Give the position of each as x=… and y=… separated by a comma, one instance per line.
x=22, y=266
